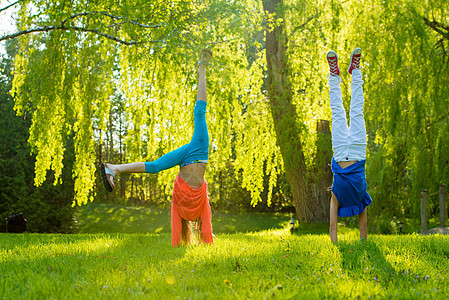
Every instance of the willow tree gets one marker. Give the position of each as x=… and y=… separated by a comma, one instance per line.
x=405, y=64
x=64, y=72
x=75, y=57
x=409, y=76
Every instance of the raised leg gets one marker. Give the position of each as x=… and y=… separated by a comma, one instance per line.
x=357, y=129
x=201, y=94
x=339, y=122
x=198, y=148
x=205, y=57
x=137, y=167
x=200, y=137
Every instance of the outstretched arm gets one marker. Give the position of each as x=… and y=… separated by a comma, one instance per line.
x=363, y=224
x=333, y=218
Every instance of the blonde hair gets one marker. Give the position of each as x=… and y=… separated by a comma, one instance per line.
x=186, y=231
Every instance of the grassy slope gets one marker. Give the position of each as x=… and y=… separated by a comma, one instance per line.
x=252, y=265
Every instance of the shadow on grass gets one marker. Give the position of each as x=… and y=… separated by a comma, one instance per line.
x=366, y=261
x=313, y=228
x=109, y=218
x=227, y=222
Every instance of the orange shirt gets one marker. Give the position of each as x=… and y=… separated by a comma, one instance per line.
x=190, y=204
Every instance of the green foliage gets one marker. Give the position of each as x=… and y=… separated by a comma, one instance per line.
x=405, y=68
x=14, y=151
x=47, y=209
x=250, y=266
x=406, y=103
x=72, y=79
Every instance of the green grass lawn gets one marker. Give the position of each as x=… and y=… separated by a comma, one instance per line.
x=109, y=218
x=258, y=264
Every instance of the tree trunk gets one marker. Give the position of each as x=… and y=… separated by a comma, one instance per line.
x=307, y=198
x=322, y=176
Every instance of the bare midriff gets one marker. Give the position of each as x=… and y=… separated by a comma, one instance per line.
x=345, y=164
x=193, y=174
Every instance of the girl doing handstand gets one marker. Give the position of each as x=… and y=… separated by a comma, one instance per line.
x=189, y=201
x=348, y=192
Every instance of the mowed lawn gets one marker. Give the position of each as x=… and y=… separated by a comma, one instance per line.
x=109, y=218
x=245, y=264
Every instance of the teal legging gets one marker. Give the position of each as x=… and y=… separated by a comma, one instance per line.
x=196, y=150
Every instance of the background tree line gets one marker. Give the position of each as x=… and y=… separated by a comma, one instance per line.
x=119, y=81
x=49, y=207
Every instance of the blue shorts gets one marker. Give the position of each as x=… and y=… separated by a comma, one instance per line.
x=197, y=151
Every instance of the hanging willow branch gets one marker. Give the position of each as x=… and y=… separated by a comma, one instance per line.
x=51, y=28
x=438, y=27
x=63, y=26
x=309, y=19
x=11, y=5
x=111, y=16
